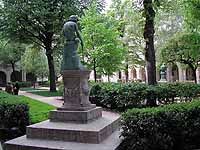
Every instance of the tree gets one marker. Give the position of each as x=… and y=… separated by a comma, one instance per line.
x=39, y=22
x=130, y=28
x=103, y=52
x=34, y=61
x=183, y=48
x=149, y=14
x=169, y=21
x=10, y=53
x=191, y=14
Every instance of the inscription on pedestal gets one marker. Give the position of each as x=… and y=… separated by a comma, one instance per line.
x=71, y=92
x=76, y=90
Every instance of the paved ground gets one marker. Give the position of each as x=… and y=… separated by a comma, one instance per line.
x=56, y=101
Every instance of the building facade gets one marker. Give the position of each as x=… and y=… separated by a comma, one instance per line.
x=175, y=73
x=7, y=75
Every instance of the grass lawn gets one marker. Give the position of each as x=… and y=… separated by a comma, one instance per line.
x=38, y=111
x=46, y=93
x=31, y=89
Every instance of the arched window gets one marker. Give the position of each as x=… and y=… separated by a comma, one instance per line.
x=2, y=78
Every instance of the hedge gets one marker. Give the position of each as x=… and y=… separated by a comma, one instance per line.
x=23, y=84
x=14, y=116
x=125, y=96
x=44, y=83
x=168, y=127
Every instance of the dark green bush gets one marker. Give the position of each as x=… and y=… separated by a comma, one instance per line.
x=24, y=84
x=60, y=87
x=123, y=96
x=118, y=96
x=44, y=83
x=169, y=127
x=13, y=115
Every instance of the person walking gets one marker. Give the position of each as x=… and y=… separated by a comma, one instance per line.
x=16, y=88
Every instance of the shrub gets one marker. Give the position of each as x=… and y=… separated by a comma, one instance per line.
x=14, y=115
x=118, y=96
x=124, y=96
x=23, y=84
x=61, y=87
x=169, y=127
x=44, y=83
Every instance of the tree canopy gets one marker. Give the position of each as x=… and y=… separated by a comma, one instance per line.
x=11, y=52
x=183, y=48
x=103, y=52
x=39, y=22
x=34, y=61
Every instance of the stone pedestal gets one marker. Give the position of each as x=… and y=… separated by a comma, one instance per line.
x=77, y=125
x=75, y=116
x=76, y=90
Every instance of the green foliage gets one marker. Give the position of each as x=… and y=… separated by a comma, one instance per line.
x=13, y=114
x=101, y=42
x=34, y=61
x=61, y=87
x=39, y=22
x=191, y=15
x=38, y=110
x=24, y=84
x=11, y=52
x=183, y=48
x=131, y=24
x=168, y=127
x=124, y=96
x=43, y=83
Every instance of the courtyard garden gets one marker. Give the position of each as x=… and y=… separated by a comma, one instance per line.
x=172, y=124
x=139, y=59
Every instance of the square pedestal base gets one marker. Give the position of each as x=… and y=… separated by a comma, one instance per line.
x=75, y=116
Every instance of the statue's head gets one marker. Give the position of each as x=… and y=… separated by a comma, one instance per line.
x=73, y=18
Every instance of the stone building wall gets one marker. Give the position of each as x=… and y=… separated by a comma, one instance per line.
x=175, y=73
x=6, y=74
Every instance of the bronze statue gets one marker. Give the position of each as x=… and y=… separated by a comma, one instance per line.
x=163, y=72
x=72, y=36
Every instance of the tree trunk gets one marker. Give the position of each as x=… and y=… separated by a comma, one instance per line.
x=108, y=78
x=194, y=74
x=126, y=70
x=149, y=48
x=52, y=76
x=94, y=69
x=42, y=77
x=14, y=73
x=149, y=39
x=194, y=68
x=120, y=75
x=49, y=54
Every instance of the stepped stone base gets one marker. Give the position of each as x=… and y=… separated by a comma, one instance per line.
x=100, y=134
x=93, y=132
x=23, y=143
x=75, y=116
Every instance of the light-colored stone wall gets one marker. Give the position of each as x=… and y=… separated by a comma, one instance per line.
x=7, y=69
x=135, y=73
